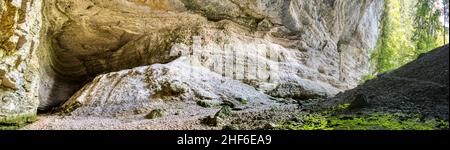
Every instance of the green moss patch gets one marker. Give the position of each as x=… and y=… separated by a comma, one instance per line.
x=224, y=112
x=69, y=108
x=16, y=122
x=243, y=101
x=209, y=103
x=306, y=122
x=385, y=121
x=335, y=119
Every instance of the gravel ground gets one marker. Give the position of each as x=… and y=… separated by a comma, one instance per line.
x=420, y=87
x=186, y=118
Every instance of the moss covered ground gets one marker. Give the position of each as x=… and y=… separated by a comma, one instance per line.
x=330, y=120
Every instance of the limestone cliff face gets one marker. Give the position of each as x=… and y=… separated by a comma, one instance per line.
x=270, y=48
x=20, y=24
x=284, y=49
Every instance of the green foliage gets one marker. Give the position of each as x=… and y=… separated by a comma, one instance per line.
x=224, y=112
x=408, y=29
x=385, y=122
x=307, y=122
x=427, y=26
x=243, y=101
x=329, y=120
x=344, y=106
x=395, y=47
x=10, y=127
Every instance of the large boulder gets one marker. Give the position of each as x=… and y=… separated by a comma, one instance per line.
x=181, y=81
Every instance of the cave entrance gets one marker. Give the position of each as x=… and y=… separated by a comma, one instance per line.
x=58, y=92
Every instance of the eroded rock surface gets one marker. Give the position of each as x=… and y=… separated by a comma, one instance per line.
x=20, y=25
x=112, y=58
x=142, y=88
x=316, y=48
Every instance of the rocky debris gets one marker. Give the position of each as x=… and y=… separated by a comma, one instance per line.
x=189, y=118
x=229, y=127
x=219, y=117
x=209, y=103
x=157, y=113
x=306, y=91
x=359, y=102
x=270, y=126
x=224, y=112
x=212, y=121
x=420, y=87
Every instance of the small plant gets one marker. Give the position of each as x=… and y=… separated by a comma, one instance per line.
x=344, y=106
x=219, y=117
x=243, y=101
x=224, y=112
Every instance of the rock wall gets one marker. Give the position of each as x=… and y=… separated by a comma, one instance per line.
x=20, y=24
x=284, y=49
x=281, y=48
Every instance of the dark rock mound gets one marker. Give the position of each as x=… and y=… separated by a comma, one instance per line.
x=420, y=87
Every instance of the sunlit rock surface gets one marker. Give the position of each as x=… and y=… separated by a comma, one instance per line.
x=316, y=48
x=181, y=81
x=265, y=49
x=20, y=25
